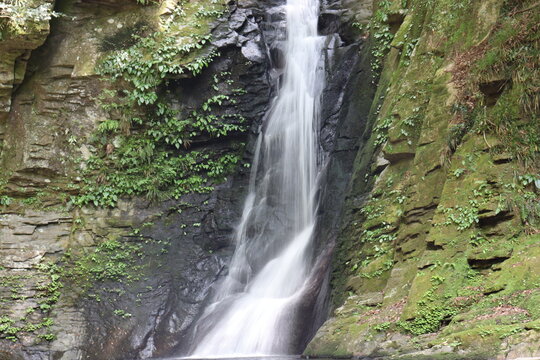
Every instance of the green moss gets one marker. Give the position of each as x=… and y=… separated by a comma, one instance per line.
x=457, y=118
x=449, y=356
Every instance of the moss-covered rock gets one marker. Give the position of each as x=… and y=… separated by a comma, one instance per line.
x=446, y=231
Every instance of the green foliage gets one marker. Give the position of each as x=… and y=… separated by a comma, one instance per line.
x=466, y=215
x=122, y=313
x=430, y=314
x=458, y=172
x=7, y=330
x=381, y=130
x=382, y=327
x=20, y=16
x=378, y=235
x=51, y=289
x=152, y=59
x=202, y=12
x=512, y=331
x=35, y=322
x=428, y=318
x=408, y=49
x=372, y=210
x=5, y=200
x=380, y=34
x=508, y=108
x=523, y=196
x=146, y=141
x=478, y=240
x=103, y=272
x=159, y=176
x=48, y=336
x=462, y=216
x=111, y=260
x=387, y=265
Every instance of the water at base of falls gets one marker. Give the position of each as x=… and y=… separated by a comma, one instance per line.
x=253, y=310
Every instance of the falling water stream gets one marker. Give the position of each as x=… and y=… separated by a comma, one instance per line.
x=252, y=311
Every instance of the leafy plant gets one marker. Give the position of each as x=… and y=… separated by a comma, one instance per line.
x=36, y=320
x=462, y=216
x=20, y=16
x=146, y=142
x=382, y=327
x=5, y=200
x=122, y=313
x=381, y=130
x=430, y=315
x=381, y=34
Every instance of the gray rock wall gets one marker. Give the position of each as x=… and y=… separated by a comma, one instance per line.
x=51, y=116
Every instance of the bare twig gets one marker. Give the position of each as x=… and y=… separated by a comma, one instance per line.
x=525, y=10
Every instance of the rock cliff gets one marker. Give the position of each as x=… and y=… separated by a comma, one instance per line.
x=126, y=133
x=439, y=248
x=99, y=282
x=127, y=139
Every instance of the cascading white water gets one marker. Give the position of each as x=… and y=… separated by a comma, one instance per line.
x=252, y=310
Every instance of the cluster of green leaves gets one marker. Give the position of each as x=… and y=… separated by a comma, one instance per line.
x=5, y=200
x=111, y=260
x=378, y=235
x=159, y=176
x=122, y=313
x=51, y=288
x=430, y=315
x=454, y=21
x=20, y=16
x=379, y=242
x=146, y=142
x=387, y=265
x=7, y=328
x=478, y=239
x=428, y=318
x=102, y=272
x=381, y=130
x=382, y=326
x=523, y=196
x=36, y=320
x=202, y=12
x=464, y=217
x=149, y=61
x=408, y=49
x=372, y=210
x=380, y=34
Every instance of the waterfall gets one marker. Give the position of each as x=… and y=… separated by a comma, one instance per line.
x=253, y=309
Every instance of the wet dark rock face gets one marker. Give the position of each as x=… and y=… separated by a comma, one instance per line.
x=345, y=106
x=174, y=288
x=346, y=103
